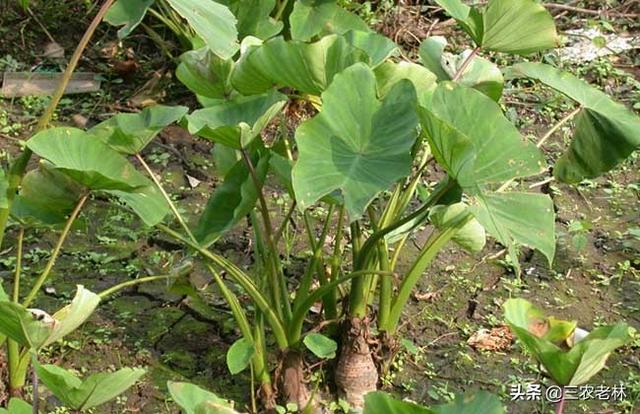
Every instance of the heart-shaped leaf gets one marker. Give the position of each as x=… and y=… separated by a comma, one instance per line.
x=606, y=132
x=311, y=18
x=95, y=390
x=86, y=159
x=237, y=122
x=239, y=355
x=310, y=67
x=472, y=139
x=320, y=345
x=518, y=26
x=213, y=22
x=542, y=337
x=128, y=14
x=357, y=144
x=130, y=133
x=480, y=73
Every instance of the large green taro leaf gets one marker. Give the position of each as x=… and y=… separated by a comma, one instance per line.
x=130, y=133
x=254, y=17
x=205, y=73
x=518, y=219
x=309, y=68
x=480, y=74
x=213, y=22
x=606, y=132
x=319, y=17
x=237, y=122
x=518, y=26
x=128, y=14
x=95, y=390
x=46, y=197
x=232, y=200
x=86, y=159
x=474, y=141
x=511, y=26
x=357, y=144
x=542, y=336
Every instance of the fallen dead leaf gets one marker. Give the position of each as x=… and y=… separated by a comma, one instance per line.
x=53, y=50
x=496, y=339
x=426, y=296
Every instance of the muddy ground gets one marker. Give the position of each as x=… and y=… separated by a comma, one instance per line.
x=594, y=279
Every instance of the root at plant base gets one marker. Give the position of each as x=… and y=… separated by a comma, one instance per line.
x=356, y=373
x=292, y=383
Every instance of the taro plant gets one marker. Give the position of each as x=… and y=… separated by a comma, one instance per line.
x=358, y=169
x=570, y=357
x=377, y=125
